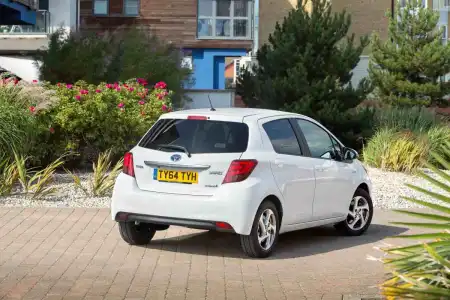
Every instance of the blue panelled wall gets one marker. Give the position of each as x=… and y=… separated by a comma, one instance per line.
x=15, y=13
x=209, y=66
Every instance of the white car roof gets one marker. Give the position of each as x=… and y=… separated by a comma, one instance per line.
x=238, y=114
x=234, y=112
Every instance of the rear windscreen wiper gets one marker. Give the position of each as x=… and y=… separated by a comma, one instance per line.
x=175, y=147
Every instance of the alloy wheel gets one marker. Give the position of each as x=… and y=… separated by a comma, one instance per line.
x=358, y=214
x=267, y=229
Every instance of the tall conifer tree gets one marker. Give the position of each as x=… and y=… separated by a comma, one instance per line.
x=407, y=68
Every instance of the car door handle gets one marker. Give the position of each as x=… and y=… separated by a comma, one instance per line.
x=319, y=169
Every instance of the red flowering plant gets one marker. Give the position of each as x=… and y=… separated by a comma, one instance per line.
x=94, y=118
x=20, y=130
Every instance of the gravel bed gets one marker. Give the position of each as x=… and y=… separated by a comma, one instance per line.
x=67, y=195
x=388, y=187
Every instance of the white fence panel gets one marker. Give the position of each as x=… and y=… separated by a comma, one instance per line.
x=360, y=71
x=199, y=99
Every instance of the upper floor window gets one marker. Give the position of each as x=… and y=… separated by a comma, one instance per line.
x=131, y=7
x=116, y=7
x=100, y=7
x=224, y=19
x=43, y=4
x=441, y=4
x=403, y=3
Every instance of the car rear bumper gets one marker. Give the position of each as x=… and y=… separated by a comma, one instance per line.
x=235, y=205
x=196, y=224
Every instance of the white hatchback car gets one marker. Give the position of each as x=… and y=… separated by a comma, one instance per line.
x=254, y=172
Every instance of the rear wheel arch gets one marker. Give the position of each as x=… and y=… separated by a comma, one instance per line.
x=274, y=199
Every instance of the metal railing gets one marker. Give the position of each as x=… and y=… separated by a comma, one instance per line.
x=441, y=4
x=33, y=4
x=42, y=25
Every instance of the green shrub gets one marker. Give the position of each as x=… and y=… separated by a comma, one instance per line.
x=396, y=151
x=16, y=128
x=437, y=138
x=377, y=146
x=110, y=57
x=306, y=67
x=390, y=148
x=415, y=119
x=90, y=119
x=18, y=102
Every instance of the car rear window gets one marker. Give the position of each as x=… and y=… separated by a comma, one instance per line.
x=197, y=136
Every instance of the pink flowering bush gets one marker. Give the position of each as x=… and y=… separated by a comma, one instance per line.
x=19, y=129
x=89, y=119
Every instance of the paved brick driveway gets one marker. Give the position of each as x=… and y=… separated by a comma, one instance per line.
x=78, y=254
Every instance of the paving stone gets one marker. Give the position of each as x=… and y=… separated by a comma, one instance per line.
x=66, y=253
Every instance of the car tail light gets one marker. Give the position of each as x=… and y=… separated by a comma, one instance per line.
x=197, y=118
x=128, y=165
x=239, y=170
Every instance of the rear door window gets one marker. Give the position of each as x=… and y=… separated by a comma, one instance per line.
x=197, y=136
x=282, y=137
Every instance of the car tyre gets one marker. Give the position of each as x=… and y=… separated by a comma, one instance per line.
x=359, y=216
x=263, y=236
x=136, y=234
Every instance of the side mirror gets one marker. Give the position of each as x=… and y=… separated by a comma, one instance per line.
x=350, y=154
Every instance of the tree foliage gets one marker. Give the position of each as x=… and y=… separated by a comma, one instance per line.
x=406, y=69
x=114, y=56
x=307, y=68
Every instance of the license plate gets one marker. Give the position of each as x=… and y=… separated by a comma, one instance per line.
x=175, y=176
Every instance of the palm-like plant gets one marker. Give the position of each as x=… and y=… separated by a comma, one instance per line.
x=36, y=184
x=103, y=178
x=422, y=271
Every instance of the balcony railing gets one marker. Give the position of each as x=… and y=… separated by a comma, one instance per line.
x=42, y=26
x=441, y=4
x=33, y=4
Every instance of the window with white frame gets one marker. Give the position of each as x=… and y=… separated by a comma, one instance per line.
x=224, y=19
x=404, y=2
x=130, y=8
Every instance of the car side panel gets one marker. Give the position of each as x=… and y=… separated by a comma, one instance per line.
x=294, y=178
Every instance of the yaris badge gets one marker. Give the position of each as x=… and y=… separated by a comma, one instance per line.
x=175, y=157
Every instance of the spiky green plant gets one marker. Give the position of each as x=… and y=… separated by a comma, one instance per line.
x=104, y=176
x=102, y=181
x=422, y=271
x=8, y=177
x=36, y=184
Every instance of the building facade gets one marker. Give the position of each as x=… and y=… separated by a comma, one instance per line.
x=18, y=41
x=368, y=16
x=208, y=31
x=211, y=32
